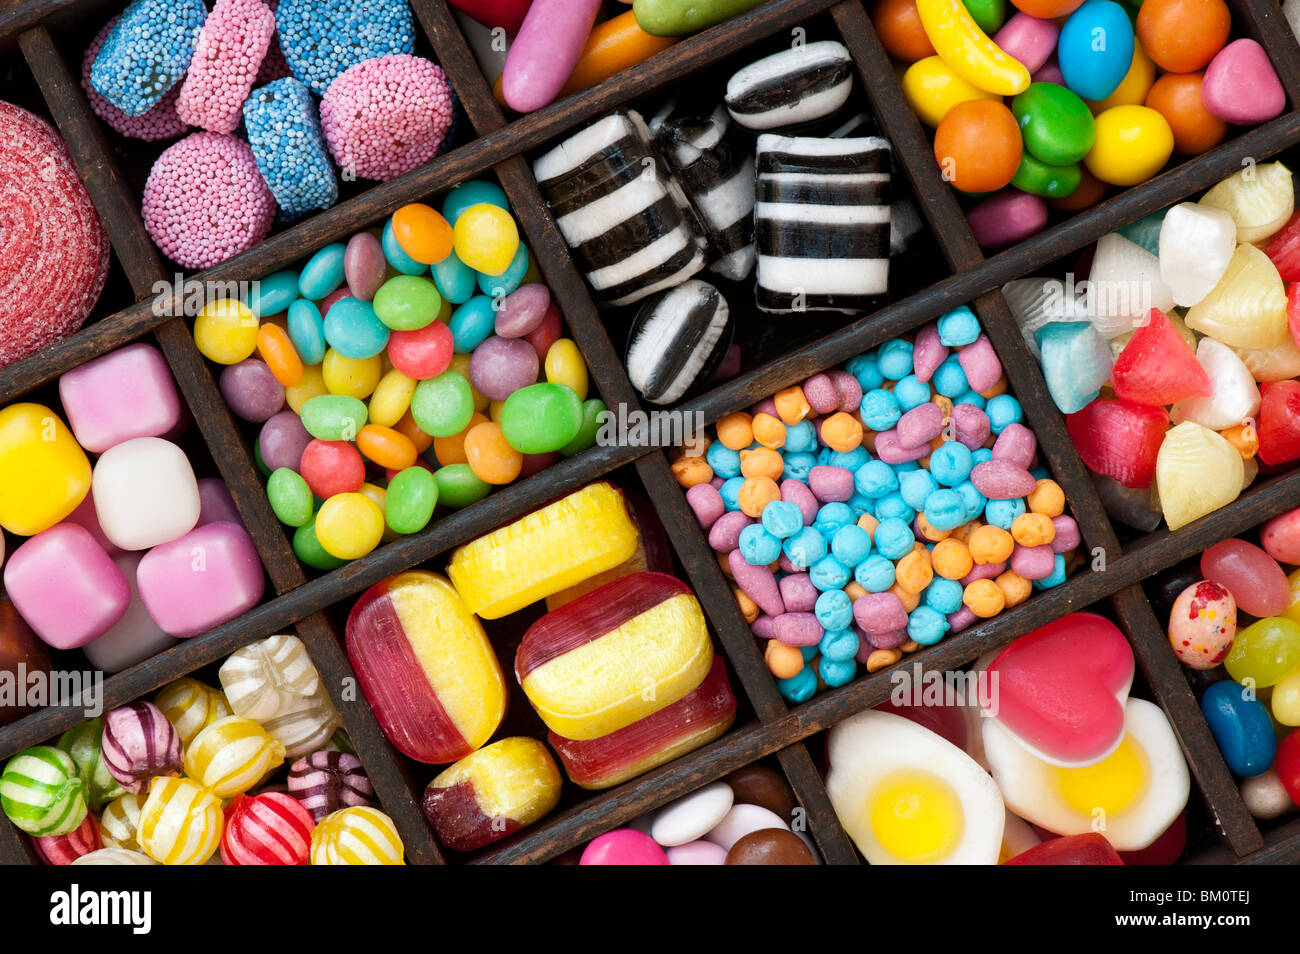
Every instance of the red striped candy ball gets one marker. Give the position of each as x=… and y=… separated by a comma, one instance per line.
x=268, y=829
x=140, y=744
x=65, y=849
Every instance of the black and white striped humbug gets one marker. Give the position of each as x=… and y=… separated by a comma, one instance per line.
x=821, y=223
x=626, y=220
x=800, y=85
x=904, y=221
x=716, y=172
x=678, y=340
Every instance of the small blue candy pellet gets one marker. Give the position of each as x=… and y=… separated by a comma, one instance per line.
x=880, y=410
x=840, y=645
x=724, y=461
x=456, y=281
x=1040, y=473
x=781, y=519
x=851, y=545
x=758, y=547
x=950, y=378
x=472, y=323
x=973, y=398
x=798, y=466
x=911, y=392
x=829, y=573
x=500, y=285
x=323, y=38
x=805, y=548
x=835, y=672
x=323, y=273
x=800, y=438
x=283, y=126
x=915, y=486
x=274, y=294
x=1003, y=513
x=980, y=455
x=974, y=500
x=874, y=479
x=396, y=255
x=951, y=463
x=894, y=358
x=893, y=538
x=798, y=688
x=1056, y=577
x=860, y=504
x=831, y=517
x=894, y=507
x=474, y=192
x=875, y=574
x=926, y=625
x=959, y=327
x=307, y=331
x=849, y=460
x=834, y=610
x=1241, y=726
x=730, y=492
x=1003, y=411
x=945, y=510
x=865, y=369
x=354, y=331
x=944, y=595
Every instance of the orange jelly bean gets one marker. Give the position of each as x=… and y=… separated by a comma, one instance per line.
x=1183, y=35
x=411, y=431
x=842, y=432
x=275, y=348
x=386, y=446
x=1177, y=97
x=899, y=27
x=451, y=450
x=422, y=233
x=736, y=431
x=613, y=46
x=489, y=456
x=978, y=145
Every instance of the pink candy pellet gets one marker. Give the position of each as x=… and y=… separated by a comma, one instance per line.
x=879, y=613
x=1049, y=73
x=798, y=593
x=821, y=394
x=984, y=571
x=1017, y=445
x=623, y=846
x=1006, y=218
x=65, y=586
x=971, y=425
x=724, y=535
x=762, y=627
x=962, y=619
x=1033, y=563
x=891, y=451
x=797, y=629
x=920, y=425
x=1002, y=480
x=928, y=353
x=124, y=394
x=1067, y=534
x=205, y=578
x=849, y=389
x=1030, y=40
x=796, y=492
x=831, y=484
x=981, y=364
x=706, y=503
x=758, y=582
x=231, y=45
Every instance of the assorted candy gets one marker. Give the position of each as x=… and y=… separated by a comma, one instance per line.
x=876, y=508
x=1044, y=106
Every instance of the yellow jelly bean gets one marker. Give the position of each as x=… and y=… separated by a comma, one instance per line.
x=932, y=88
x=1286, y=699
x=44, y=473
x=350, y=376
x=494, y=411
x=349, y=526
x=225, y=331
x=564, y=365
x=1133, y=144
x=966, y=48
x=460, y=364
x=1292, y=612
x=312, y=384
x=486, y=238
x=391, y=398
x=380, y=497
x=1133, y=89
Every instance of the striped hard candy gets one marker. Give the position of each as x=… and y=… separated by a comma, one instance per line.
x=115, y=856
x=786, y=90
x=180, y=822
x=356, y=836
x=65, y=849
x=327, y=781
x=231, y=756
x=274, y=683
x=191, y=706
x=119, y=822
x=83, y=744
x=267, y=829
x=140, y=744
x=678, y=340
x=42, y=793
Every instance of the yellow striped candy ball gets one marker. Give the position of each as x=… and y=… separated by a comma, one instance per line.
x=191, y=706
x=119, y=822
x=180, y=822
x=231, y=756
x=356, y=836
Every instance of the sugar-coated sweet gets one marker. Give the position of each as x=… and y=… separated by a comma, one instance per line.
x=124, y=394
x=322, y=40
x=201, y=580
x=139, y=744
x=274, y=683
x=158, y=122
x=285, y=135
x=227, y=57
x=42, y=793
x=146, y=52
x=180, y=822
x=114, y=856
x=267, y=829
x=119, y=822
x=327, y=781
x=356, y=836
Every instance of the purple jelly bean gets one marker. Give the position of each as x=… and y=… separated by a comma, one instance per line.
x=1028, y=39
x=501, y=366
x=971, y=426
x=762, y=627
x=1016, y=445
x=879, y=613
x=724, y=535
x=850, y=391
x=891, y=451
x=798, y=593
x=1033, y=563
x=981, y=364
x=821, y=394
x=797, y=629
x=919, y=426
x=364, y=265
x=984, y=571
x=1008, y=217
x=522, y=311
x=1002, y=480
x=282, y=441
x=928, y=353
x=831, y=484
x=216, y=503
x=758, y=582
x=1067, y=534
x=962, y=619
x=707, y=504
x=251, y=390
x=797, y=493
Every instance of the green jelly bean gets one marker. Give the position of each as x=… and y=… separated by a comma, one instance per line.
x=1056, y=124
x=290, y=497
x=679, y=17
x=541, y=418
x=258, y=462
x=989, y=14
x=591, y=419
x=1052, y=182
x=334, y=417
x=459, y=486
x=407, y=302
x=1146, y=231
x=412, y=495
x=442, y=406
x=309, y=550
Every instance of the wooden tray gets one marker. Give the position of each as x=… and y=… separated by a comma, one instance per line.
x=31, y=45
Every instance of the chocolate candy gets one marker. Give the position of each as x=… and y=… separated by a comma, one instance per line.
x=140, y=744
x=678, y=340
x=822, y=223
x=789, y=89
x=628, y=224
x=760, y=785
x=770, y=846
x=716, y=172
x=327, y=781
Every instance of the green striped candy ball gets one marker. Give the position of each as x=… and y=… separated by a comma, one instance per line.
x=42, y=793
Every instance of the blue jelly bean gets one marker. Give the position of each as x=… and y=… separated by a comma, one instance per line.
x=974, y=501
x=911, y=392
x=834, y=609
x=800, y=687
x=1003, y=513
x=875, y=574
x=798, y=466
x=926, y=625
x=880, y=410
x=973, y=398
x=945, y=510
x=724, y=461
x=851, y=545
x=959, y=327
x=866, y=370
x=836, y=672
x=944, y=595
x=323, y=38
x=951, y=463
x=894, y=358
x=397, y=256
x=472, y=323
x=456, y=281
x=1241, y=726
x=284, y=132
x=1094, y=70
x=829, y=573
x=782, y=519
x=1056, y=577
x=497, y=286
x=1003, y=411
x=893, y=539
x=474, y=192
x=800, y=438
x=894, y=507
x=307, y=331
x=323, y=273
x=831, y=517
x=915, y=486
x=274, y=294
x=730, y=492
x=353, y=330
x=949, y=378
x=980, y=455
x=874, y=479
x=758, y=547
x=840, y=645
x=805, y=548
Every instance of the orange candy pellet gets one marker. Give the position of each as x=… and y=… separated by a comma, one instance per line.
x=791, y=406
x=990, y=544
x=490, y=457
x=1177, y=97
x=899, y=27
x=386, y=446
x=769, y=431
x=842, y=432
x=451, y=450
x=978, y=145
x=411, y=431
x=1091, y=191
x=690, y=471
x=748, y=608
x=910, y=599
x=784, y=662
x=1033, y=529
x=1183, y=35
x=1046, y=498
x=984, y=598
x=952, y=559
x=963, y=533
x=278, y=352
x=1245, y=438
x=761, y=462
x=854, y=590
x=869, y=523
x=1015, y=588
x=928, y=531
x=999, y=387
x=914, y=572
x=755, y=494
x=736, y=431
x=423, y=233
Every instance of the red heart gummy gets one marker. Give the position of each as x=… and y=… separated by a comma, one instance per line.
x=1119, y=439
x=1089, y=849
x=1156, y=367
x=1279, y=422
x=495, y=13
x=1165, y=850
x=1060, y=690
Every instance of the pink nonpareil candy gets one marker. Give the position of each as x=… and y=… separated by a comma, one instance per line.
x=1252, y=576
x=623, y=846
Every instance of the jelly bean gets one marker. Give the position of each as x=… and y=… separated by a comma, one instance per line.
x=386, y=447
x=1177, y=97
x=290, y=497
x=522, y=311
x=968, y=50
x=501, y=366
x=458, y=486
x=933, y=89
x=412, y=495
x=1182, y=36
x=472, y=323
x=407, y=302
x=332, y=467
x=422, y=354
x=277, y=350
x=987, y=14
x=1241, y=86
x=1029, y=39
x=455, y=280
x=1265, y=651
x=323, y=273
x=541, y=418
x=486, y=238
x=1241, y=727
x=308, y=549
x=1133, y=144
x=349, y=525
x=1134, y=87
x=364, y=266
x=442, y=406
x=474, y=192
x=225, y=331
x=422, y=233
x=1057, y=127
x=489, y=455
x=397, y=256
x=354, y=331
x=391, y=398
x=307, y=331
x=495, y=286
x=1007, y=218
x=594, y=413
x=333, y=417
x=1095, y=69
x=680, y=17
x=351, y=376
x=311, y=385
x=273, y=294
x=978, y=145
x=1038, y=178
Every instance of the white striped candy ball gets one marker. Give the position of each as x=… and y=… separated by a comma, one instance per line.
x=268, y=829
x=231, y=756
x=115, y=856
x=263, y=679
x=180, y=822
x=42, y=793
x=356, y=836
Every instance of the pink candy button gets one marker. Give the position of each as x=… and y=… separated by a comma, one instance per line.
x=209, y=576
x=127, y=393
x=623, y=846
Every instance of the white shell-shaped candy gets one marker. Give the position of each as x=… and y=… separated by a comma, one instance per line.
x=1196, y=244
x=1234, y=395
x=692, y=817
x=1197, y=472
x=1124, y=285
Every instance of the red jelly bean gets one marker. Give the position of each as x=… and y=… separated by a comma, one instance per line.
x=1119, y=439
x=1156, y=367
x=332, y=467
x=1280, y=537
x=548, y=332
x=1279, y=422
x=1089, y=849
x=1287, y=765
x=421, y=354
x=1251, y=575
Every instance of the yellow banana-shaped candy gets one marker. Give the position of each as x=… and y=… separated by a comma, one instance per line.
x=967, y=49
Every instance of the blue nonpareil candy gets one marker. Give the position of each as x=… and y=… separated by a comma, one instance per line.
x=322, y=38
x=284, y=130
x=147, y=52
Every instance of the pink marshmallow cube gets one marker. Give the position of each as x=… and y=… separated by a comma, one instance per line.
x=209, y=576
x=124, y=394
x=65, y=586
